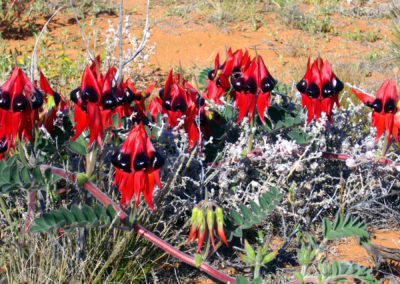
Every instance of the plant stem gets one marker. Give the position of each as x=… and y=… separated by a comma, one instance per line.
x=106, y=200
x=91, y=161
x=250, y=145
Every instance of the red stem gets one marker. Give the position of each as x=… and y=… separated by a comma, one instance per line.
x=106, y=200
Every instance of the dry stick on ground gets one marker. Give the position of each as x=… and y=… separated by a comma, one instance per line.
x=105, y=200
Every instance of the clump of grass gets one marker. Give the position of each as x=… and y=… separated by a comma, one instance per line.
x=318, y=21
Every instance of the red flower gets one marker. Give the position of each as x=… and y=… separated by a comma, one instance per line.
x=253, y=87
x=222, y=77
x=137, y=167
x=20, y=102
x=87, y=99
x=319, y=89
x=384, y=110
x=57, y=103
x=179, y=98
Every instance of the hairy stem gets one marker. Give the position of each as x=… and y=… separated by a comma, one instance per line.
x=106, y=200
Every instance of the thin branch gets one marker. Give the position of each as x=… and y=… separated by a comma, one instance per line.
x=92, y=57
x=118, y=75
x=33, y=57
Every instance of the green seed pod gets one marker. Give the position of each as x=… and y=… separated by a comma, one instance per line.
x=210, y=220
x=219, y=217
x=201, y=222
x=195, y=211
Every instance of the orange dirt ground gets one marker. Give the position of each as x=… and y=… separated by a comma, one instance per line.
x=194, y=43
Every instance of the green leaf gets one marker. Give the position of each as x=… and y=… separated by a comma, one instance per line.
x=241, y=280
x=25, y=176
x=111, y=212
x=327, y=227
x=49, y=219
x=115, y=120
x=37, y=175
x=256, y=209
x=246, y=212
x=68, y=216
x=80, y=218
x=90, y=216
x=15, y=174
x=237, y=218
x=5, y=174
x=250, y=251
x=77, y=147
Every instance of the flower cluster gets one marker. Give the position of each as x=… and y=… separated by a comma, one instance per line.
x=319, y=89
x=20, y=104
x=179, y=99
x=385, y=110
x=97, y=99
x=137, y=167
x=205, y=222
x=248, y=79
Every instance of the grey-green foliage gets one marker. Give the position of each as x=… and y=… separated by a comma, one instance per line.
x=248, y=217
x=346, y=227
x=14, y=175
x=342, y=271
x=73, y=218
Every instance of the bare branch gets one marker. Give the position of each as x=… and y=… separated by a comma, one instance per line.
x=33, y=58
x=118, y=75
x=92, y=57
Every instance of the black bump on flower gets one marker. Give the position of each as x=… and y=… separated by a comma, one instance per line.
x=211, y=74
x=250, y=86
x=141, y=161
x=157, y=161
x=238, y=84
x=20, y=103
x=179, y=104
x=338, y=85
x=327, y=90
x=313, y=91
x=5, y=100
x=268, y=84
x=161, y=93
x=167, y=104
x=75, y=95
x=121, y=161
x=377, y=105
x=57, y=98
x=89, y=94
x=3, y=145
x=37, y=99
x=390, y=106
x=109, y=100
x=200, y=101
x=302, y=86
x=131, y=96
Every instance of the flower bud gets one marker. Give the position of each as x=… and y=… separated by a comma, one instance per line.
x=220, y=224
x=210, y=225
